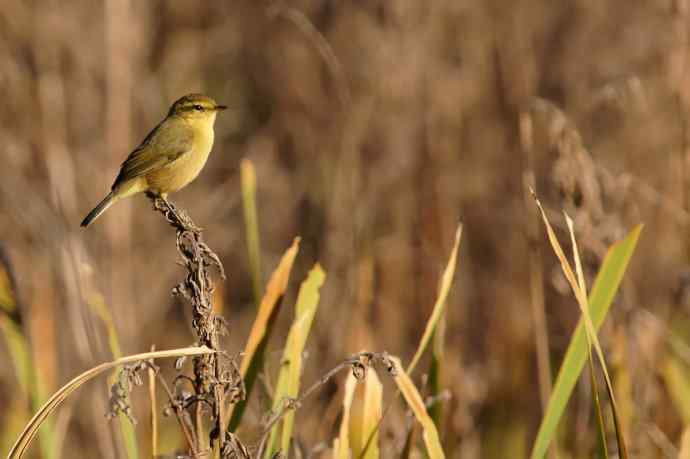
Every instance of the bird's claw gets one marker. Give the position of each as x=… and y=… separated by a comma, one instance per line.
x=177, y=217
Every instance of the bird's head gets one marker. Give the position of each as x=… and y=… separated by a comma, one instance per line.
x=196, y=107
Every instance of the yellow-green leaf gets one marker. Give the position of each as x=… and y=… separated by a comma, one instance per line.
x=678, y=384
x=341, y=448
x=415, y=402
x=446, y=282
x=605, y=288
x=251, y=224
x=291, y=366
x=252, y=359
x=371, y=414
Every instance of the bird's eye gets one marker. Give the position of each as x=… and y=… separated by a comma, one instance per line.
x=198, y=108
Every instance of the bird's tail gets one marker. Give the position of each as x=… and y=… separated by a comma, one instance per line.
x=99, y=209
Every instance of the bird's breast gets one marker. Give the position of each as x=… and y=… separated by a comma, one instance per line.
x=185, y=168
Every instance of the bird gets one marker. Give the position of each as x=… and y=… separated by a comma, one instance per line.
x=170, y=157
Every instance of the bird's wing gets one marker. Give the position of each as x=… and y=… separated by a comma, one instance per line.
x=174, y=134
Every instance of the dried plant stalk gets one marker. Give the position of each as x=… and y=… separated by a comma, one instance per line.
x=216, y=379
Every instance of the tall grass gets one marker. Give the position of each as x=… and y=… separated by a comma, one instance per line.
x=23, y=442
x=373, y=125
x=594, y=311
x=291, y=368
x=27, y=373
x=363, y=416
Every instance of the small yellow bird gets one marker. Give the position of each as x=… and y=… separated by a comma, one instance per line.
x=170, y=157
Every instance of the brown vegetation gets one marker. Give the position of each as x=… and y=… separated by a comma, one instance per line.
x=374, y=127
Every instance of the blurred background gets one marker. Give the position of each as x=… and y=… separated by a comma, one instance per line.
x=374, y=126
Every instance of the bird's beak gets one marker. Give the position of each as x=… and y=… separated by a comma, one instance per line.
x=221, y=107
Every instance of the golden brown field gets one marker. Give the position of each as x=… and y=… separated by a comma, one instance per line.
x=374, y=128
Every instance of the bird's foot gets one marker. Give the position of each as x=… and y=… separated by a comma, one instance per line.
x=177, y=217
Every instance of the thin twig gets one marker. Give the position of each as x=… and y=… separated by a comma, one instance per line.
x=154, y=408
x=358, y=363
x=179, y=411
x=304, y=25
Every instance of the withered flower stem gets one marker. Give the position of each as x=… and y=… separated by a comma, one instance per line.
x=175, y=405
x=214, y=377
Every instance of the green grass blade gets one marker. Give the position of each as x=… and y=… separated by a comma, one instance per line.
x=435, y=371
x=439, y=307
x=20, y=355
x=341, y=449
x=371, y=413
x=46, y=435
x=605, y=287
x=20, y=351
x=581, y=294
x=98, y=306
x=677, y=383
x=251, y=224
x=254, y=351
x=597, y=406
x=436, y=316
x=291, y=367
x=416, y=404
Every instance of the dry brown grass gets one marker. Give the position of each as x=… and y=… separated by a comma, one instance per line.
x=374, y=126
